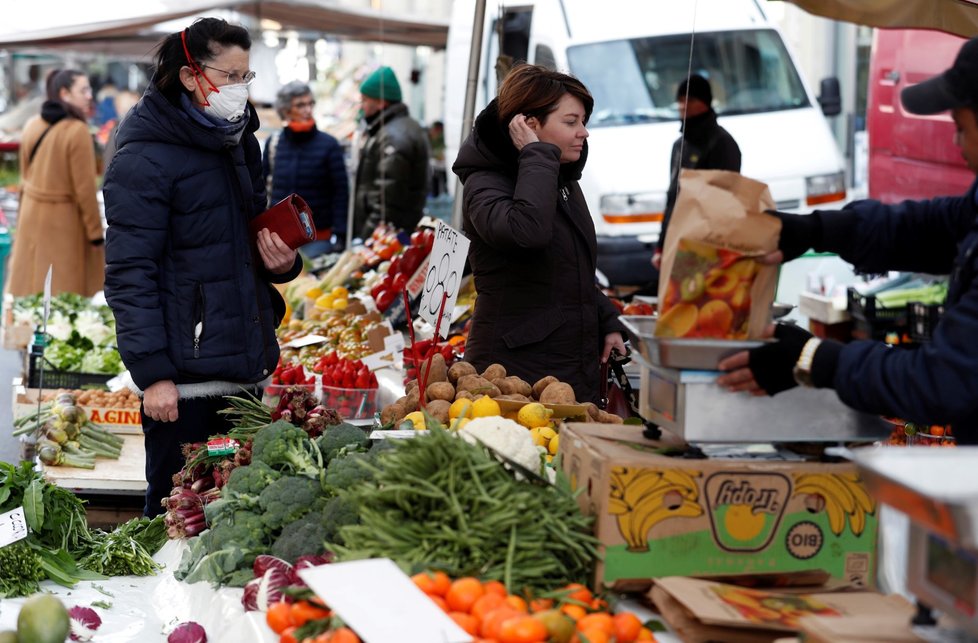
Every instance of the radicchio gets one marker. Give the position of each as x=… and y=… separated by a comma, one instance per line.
x=188, y=632
x=264, y=562
x=84, y=622
x=307, y=561
x=259, y=593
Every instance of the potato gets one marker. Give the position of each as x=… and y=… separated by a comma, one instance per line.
x=412, y=385
x=392, y=413
x=438, y=409
x=597, y=415
x=541, y=384
x=558, y=393
x=459, y=395
x=440, y=391
x=411, y=402
x=494, y=372
x=516, y=397
x=438, y=371
x=460, y=369
x=513, y=384
x=478, y=385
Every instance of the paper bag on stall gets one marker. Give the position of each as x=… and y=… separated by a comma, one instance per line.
x=710, y=286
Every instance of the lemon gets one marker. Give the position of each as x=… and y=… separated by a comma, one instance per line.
x=314, y=293
x=462, y=407
x=324, y=302
x=554, y=445
x=538, y=440
x=533, y=415
x=417, y=419
x=339, y=304
x=485, y=406
x=458, y=423
x=547, y=433
x=340, y=292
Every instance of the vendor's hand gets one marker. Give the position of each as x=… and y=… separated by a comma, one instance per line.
x=612, y=341
x=767, y=369
x=657, y=259
x=521, y=133
x=160, y=401
x=275, y=254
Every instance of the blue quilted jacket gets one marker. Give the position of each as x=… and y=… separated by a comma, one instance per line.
x=192, y=300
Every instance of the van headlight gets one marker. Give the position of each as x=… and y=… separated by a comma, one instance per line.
x=825, y=188
x=645, y=207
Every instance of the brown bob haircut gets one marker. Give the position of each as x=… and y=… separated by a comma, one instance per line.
x=533, y=90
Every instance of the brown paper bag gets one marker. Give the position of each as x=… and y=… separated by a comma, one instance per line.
x=709, y=284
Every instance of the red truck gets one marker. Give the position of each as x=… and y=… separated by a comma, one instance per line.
x=911, y=156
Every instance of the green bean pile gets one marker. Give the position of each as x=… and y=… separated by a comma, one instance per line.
x=437, y=502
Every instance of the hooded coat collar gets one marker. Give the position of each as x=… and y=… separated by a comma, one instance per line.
x=490, y=147
x=386, y=115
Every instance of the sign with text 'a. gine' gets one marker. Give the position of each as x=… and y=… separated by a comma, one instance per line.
x=441, y=283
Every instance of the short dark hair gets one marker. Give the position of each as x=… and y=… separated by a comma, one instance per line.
x=534, y=91
x=202, y=38
x=60, y=79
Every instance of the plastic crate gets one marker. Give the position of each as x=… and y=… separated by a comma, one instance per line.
x=871, y=321
x=351, y=403
x=61, y=379
x=921, y=319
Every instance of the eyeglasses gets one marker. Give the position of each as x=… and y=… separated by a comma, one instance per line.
x=234, y=78
x=304, y=104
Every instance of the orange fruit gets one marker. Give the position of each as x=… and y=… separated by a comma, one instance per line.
x=599, y=604
x=467, y=622
x=463, y=593
x=523, y=629
x=494, y=620
x=592, y=636
x=576, y=612
x=495, y=587
x=344, y=635
x=288, y=635
x=541, y=604
x=304, y=611
x=432, y=583
x=597, y=621
x=645, y=634
x=579, y=593
x=279, y=616
x=517, y=603
x=485, y=604
x=627, y=627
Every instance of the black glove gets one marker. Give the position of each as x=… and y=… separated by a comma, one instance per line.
x=799, y=232
x=773, y=364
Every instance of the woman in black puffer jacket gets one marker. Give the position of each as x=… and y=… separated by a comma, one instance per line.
x=533, y=251
x=192, y=293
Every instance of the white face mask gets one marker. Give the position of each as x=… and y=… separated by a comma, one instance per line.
x=229, y=103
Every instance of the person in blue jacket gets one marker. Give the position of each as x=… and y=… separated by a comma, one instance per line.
x=937, y=382
x=191, y=291
x=302, y=159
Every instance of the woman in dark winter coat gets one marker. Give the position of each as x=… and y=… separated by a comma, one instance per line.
x=533, y=249
x=191, y=291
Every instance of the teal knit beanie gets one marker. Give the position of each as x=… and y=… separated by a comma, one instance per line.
x=382, y=84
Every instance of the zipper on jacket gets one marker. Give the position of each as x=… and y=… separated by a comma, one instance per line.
x=199, y=319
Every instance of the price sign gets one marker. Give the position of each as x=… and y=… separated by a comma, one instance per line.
x=13, y=526
x=444, y=275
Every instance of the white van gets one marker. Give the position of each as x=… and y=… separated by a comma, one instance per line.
x=632, y=54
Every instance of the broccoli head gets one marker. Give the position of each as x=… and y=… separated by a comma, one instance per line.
x=20, y=570
x=244, y=530
x=347, y=470
x=301, y=537
x=250, y=480
x=285, y=447
x=288, y=499
x=342, y=435
x=338, y=512
x=380, y=447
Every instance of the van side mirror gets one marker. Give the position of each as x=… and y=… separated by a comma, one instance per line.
x=829, y=96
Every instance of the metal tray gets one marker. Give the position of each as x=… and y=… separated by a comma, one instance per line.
x=695, y=354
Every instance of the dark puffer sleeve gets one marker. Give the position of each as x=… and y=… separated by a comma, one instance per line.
x=137, y=209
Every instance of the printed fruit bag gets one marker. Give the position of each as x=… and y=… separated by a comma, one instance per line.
x=710, y=286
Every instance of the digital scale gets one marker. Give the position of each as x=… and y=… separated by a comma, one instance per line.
x=938, y=490
x=678, y=392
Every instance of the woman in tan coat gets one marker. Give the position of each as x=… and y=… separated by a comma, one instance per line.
x=59, y=222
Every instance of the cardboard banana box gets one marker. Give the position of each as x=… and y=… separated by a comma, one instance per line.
x=662, y=516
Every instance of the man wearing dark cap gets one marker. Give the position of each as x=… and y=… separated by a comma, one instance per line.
x=703, y=145
x=937, y=382
x=392, y=172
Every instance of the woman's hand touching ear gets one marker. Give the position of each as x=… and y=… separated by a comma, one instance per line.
x=521, y=133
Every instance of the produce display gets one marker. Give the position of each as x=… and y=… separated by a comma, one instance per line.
x=65, y=435
x=346, y=335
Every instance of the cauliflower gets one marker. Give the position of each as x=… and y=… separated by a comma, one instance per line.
x=89, y=324
x=505, y=437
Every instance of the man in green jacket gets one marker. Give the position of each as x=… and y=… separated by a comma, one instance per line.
x=392, y=173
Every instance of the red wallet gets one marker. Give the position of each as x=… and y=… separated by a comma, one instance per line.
x=291, y=218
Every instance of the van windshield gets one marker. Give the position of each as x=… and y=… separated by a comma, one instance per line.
x=635, y=81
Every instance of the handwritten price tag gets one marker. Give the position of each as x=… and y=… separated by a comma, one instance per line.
x=13, y=526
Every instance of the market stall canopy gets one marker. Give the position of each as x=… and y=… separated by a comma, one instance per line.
x=953, y=16
x=128, y=26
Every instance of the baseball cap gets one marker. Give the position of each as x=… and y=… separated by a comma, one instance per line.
x=956, y=87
